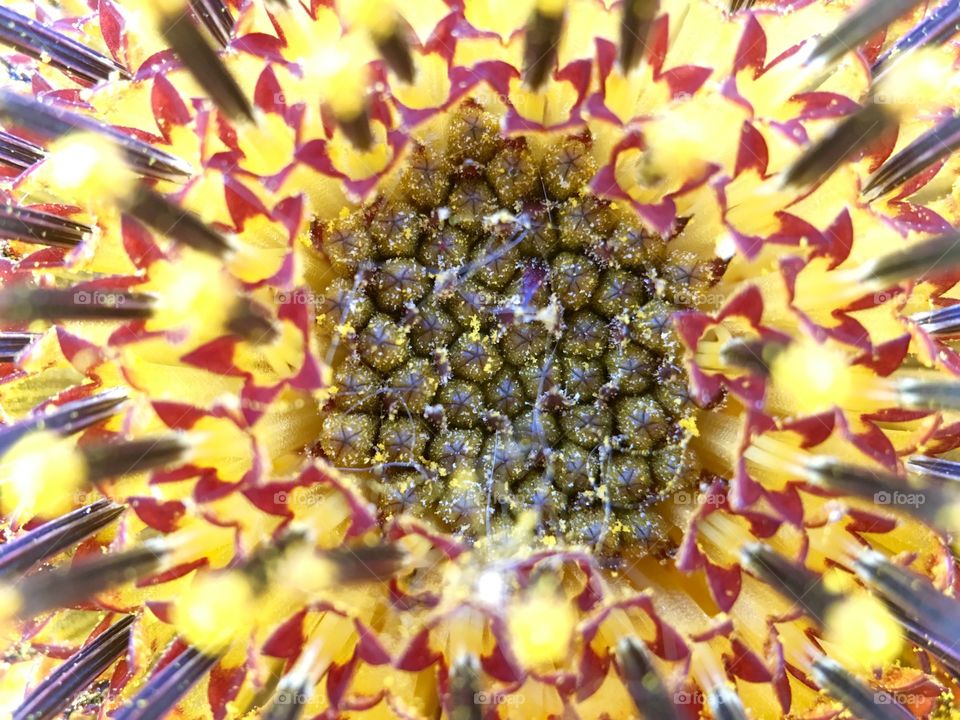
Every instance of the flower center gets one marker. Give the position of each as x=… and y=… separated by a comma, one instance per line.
x=502, y=343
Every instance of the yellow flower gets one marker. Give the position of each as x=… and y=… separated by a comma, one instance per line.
x=528, y=359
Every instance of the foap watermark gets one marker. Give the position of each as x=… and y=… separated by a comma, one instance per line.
x=297, y=297
x=696, y=298
x=291, y=697
x=98, y=298
x=497, y=698
x=904, y=99
x=897, y=498
x=308, y=498
x=86, y=497
x=485, y=95
x=700, y=497
x=884, y=296
x=887, y=697
x=689, y=697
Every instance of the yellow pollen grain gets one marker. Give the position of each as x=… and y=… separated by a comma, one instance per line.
x=475, y=329
x=690, y=425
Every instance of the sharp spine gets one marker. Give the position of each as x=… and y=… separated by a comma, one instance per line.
x=77, y=672
x=41, y=42
x=755, y=356
x=32, y=226
x=793, y=581
x=858, y=697
x=164, y=689
x=357, y=130
x=289, y=701
x=23, y=552
x=252, y=322
x=464, y=687
x=132, y=456
x=207, y=68
x=50, y=122
x=937, y=27
x=933, y=615
x=922, y=260
x=917, y=394
x=257, y=566
x=940, y=323
x=20, y=304
x=925, y=501
x=869, y=18
x=725, y=704
x=540, y=47
x=14, y=343
x=394, y=48
x=69, y=418
x=819, y=160
x=944, y=650
x=376, y=563
x=18, y=153
x=153, y=209
x=644, y=684
x=929, y=148
x=216, y=17
x=81, y=414
x=936, y=469
x=635, y=25
x=64, y=587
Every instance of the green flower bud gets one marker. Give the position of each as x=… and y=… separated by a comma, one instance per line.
x=472, y=134
x=642, y=422
x=426, y=177
x=384, y=344
x=568, y=167
x=513, y=173
x=348, y=439
x=574, y=278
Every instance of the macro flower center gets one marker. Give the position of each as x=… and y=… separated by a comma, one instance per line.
x=502, y=344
